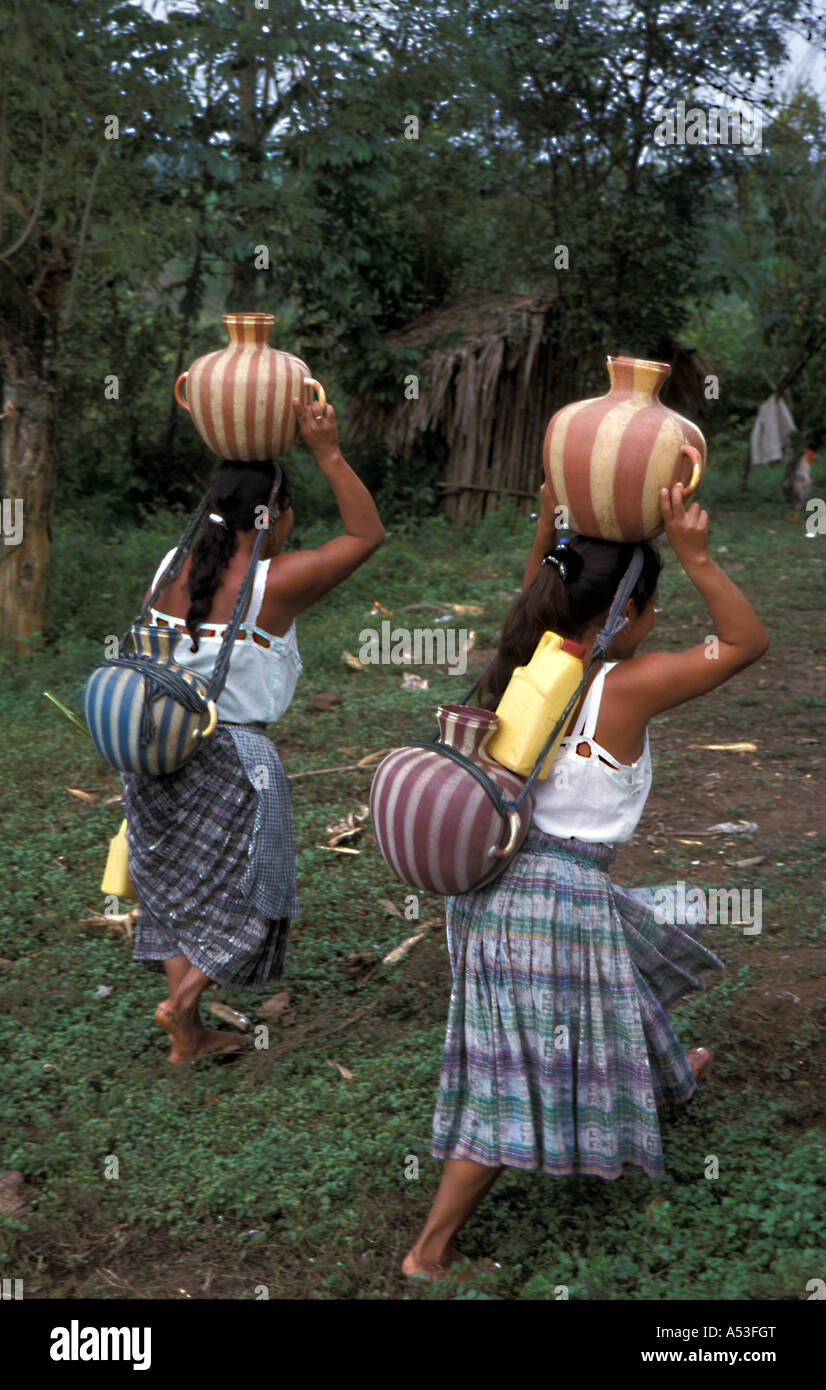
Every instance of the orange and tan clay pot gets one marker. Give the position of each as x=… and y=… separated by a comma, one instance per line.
x=606, y=459
x=240, y=398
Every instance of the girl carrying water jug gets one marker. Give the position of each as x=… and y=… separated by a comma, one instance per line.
x=559, y=1048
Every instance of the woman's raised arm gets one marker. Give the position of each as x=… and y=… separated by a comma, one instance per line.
x=302, y=576
x=660, y=680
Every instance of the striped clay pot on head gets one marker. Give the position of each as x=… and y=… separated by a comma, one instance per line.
x=435, y=826
x=241, y=397
x=606, y=458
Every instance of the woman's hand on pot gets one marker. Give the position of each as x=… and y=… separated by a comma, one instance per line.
x=319, y=432
x=686, y=530
x=546, y=522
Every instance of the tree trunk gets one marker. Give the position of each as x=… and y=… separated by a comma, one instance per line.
x=244, y=278
x=28, y=461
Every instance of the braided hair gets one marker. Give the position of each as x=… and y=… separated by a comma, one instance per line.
x=567, y=603
x=237, y=492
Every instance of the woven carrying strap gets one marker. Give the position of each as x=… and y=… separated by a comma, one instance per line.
x=485, y=782
x=172, y=570
x=158, y=680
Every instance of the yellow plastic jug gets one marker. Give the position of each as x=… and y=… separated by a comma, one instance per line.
x=116, y=880
x=535, y=698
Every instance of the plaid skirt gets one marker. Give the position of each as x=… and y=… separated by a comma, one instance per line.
x=212, y=860
x=558, y=1044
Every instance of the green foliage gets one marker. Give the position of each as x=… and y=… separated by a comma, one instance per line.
x=240, y=130
x=767, y=324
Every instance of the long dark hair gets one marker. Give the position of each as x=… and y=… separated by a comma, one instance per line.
x=550, y=604
x=236, y=492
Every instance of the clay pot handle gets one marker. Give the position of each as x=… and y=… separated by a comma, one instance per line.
x=179, y=395
x=514, y=822
x=696, y=459
x=322, y=394
x=213, y=720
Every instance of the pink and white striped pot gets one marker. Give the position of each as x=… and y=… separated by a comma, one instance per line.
x=436, y=827
x=606, y=458
x=241, y=397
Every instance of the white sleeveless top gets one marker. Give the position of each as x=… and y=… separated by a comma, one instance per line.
x=264, y=669
x=595, y=798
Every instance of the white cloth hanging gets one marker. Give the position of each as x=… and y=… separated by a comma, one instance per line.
x=770, y=431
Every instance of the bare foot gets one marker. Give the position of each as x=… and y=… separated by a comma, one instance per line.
x=414, y=1267
x=208, y=1041
x=454, y=1266
x=182, y=1031
x=190, y=1039
x=216, y=1040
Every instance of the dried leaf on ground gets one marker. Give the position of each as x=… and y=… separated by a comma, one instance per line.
x=230, y=1016
x=274, y=1007
x=726, y=747
x=86, y=797
x=342, y=1071
x=325, y=700
x=399, y=952
x=371, y=757
x=352, y=661
x=15, y=1193
x=117, y=924
x=732, y=827
x=390, y=907
x=348, y=827
x=361, y=964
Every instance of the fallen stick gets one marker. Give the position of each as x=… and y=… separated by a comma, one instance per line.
x=317, y=771
x=363, y=766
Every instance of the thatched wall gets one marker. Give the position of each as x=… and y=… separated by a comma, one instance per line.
x=490, y=379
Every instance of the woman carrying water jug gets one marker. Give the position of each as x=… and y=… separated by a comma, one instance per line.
x=211, y=851
x=559, y=1047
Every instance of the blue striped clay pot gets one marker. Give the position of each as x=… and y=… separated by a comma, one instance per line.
x=145, y=713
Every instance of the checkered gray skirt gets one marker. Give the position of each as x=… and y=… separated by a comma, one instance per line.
x=212, y=860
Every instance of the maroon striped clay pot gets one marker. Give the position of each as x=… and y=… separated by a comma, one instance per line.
x=436, y=827
x=607, y=458
x=241, y=398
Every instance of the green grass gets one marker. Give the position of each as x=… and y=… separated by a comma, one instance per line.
x=273, y=1170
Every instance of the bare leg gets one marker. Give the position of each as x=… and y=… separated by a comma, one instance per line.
x=464, y=1184
x=176, y=968
x=180, y=1017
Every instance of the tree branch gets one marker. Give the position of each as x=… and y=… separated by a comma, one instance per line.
x=84, y=226
x=4, y=149
x=29, y=228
